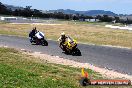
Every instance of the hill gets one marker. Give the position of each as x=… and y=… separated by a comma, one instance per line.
x=69, y=11
x=89, y=12
x=12, y=7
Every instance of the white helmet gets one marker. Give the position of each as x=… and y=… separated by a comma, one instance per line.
x=63, y=33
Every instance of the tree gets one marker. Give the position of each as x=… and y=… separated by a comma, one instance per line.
x=105, y=18
x=3, y=9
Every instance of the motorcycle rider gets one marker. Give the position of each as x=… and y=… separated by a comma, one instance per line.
x=32, y=33
x=68, y=45
x=62, y=40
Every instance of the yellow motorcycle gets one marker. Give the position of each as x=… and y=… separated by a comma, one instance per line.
x=70, y=47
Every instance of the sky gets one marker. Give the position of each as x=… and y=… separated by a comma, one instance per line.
x=116, y=6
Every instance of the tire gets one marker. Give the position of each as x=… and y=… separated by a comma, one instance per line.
x=77, y=52
x=44, y=43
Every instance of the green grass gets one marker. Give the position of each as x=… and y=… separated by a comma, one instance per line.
x=18, y=70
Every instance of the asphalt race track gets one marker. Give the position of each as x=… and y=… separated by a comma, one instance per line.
x=117, y=59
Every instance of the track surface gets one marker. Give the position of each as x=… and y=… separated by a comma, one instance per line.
x=112, y=58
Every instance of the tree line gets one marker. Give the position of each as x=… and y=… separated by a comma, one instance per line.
x=28, y=12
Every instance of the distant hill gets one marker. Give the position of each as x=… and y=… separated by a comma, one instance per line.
x=89, y=13
x=13, y=7
x=69, y=11
x=99, y=12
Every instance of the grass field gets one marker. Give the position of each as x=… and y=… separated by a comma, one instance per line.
x=82, y=32
x=19, y=70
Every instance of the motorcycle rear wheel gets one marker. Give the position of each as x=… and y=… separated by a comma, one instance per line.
x=44, y=43
x=76, y=52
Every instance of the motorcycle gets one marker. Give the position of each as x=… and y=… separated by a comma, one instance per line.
x=70, y=47
x=38, y=39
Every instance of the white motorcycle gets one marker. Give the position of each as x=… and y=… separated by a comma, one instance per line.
x=39, y=39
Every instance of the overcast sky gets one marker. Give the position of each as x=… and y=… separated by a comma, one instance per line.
x=117, y=6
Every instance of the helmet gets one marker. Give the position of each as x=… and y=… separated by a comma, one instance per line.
x=34, y=28
x=62, y=34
